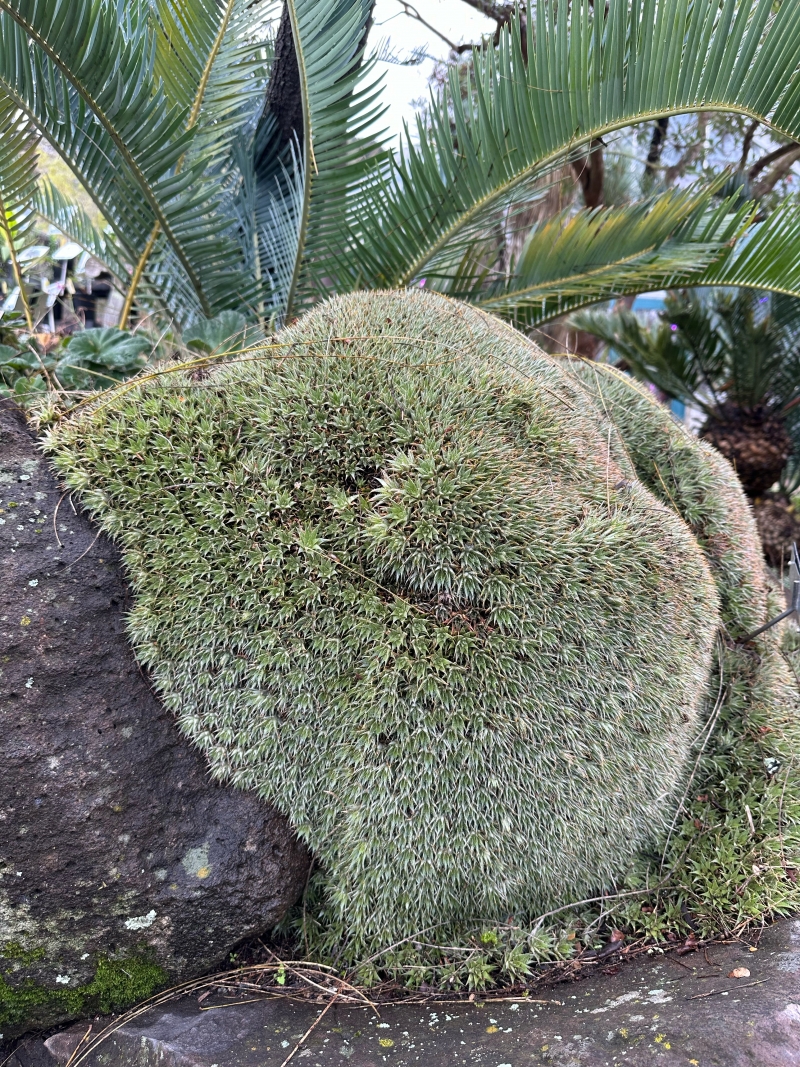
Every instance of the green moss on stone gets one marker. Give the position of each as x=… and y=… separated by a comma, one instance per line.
x=395, y=580
x=117, y=984
x=13, y=950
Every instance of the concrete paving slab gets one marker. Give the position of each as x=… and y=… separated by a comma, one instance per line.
x=659, y=1009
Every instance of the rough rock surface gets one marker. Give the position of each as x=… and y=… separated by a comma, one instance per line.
x=113, y=839
x=659, y=1010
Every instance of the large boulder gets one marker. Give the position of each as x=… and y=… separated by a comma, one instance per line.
x=122, y=864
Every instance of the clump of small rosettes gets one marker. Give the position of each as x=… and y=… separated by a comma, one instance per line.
x=399, y=577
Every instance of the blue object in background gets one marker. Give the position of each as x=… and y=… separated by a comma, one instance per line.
x=678, y=409
x=649, y=301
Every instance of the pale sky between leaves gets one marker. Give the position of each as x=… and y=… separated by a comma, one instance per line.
x=397, y=33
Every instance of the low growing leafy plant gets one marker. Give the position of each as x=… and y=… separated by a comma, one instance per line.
x=85, y=361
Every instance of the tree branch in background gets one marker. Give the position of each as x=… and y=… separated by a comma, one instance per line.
x=499, y=13
x=590, y=171
x=656, y=146
x=772, y=157
x=784, y=161
x=691, y=154
x=750, y=133
x=411, y=11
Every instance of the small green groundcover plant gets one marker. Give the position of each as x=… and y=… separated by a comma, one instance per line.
x=407, y=578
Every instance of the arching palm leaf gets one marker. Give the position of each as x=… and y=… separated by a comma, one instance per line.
x=708, y=249
x=87, y=82
x=211, y=58
x=767, y=258
x=329, y=38
x=590, y=70
x=574, y=259
x=18, y=176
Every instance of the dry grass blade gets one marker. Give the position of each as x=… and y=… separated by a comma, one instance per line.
x=310, y=1030
x=81, y=1054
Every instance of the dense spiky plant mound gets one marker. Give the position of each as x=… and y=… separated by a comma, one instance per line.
x=390, y=575
x=733, y=853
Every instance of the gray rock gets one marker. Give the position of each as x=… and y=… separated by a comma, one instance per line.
x=117, y=851
x=666, y=1010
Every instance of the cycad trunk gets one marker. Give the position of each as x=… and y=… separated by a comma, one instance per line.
x=755, y=441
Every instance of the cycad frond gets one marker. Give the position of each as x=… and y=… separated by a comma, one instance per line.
x=570, y=261
x=87, y=82
x=213, y=59
x=590, y=69
x=18, y=177
x=210, y=58
x=766, y=257
x=716, y=248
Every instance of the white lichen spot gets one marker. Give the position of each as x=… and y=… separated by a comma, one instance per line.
x=85, y=956
x=658, y=996
x=29, y=684
x=195, y=862
x=616, y=1002
x=33, y=582
x=140, y=922
x=62, y=979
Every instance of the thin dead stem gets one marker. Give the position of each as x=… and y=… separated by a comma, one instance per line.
x=311, y=1028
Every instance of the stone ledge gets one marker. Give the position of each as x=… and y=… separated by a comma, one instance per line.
x=656, y=1010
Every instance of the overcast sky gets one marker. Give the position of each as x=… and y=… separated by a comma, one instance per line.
x=405, y=84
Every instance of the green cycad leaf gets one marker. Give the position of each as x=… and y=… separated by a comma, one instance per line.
x=329, y=40
x=211, y=58
x=184, y=32
x=214, y=59
x=18, y=178
x=86, y=79
x=570, y=261
x=270, y=206
x=765, y=258
x=591, y=69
